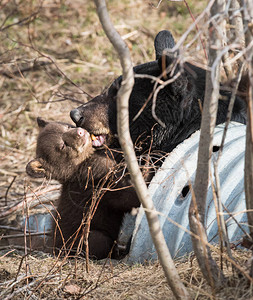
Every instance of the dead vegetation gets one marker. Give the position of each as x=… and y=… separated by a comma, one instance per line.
x=42, y=277
x=54, y=55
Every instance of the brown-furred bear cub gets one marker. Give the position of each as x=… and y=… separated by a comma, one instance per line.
x=93, y=186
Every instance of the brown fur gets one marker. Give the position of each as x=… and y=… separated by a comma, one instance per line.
x=93, y=185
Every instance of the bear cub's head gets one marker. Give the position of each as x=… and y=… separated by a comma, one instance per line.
x=61, y=148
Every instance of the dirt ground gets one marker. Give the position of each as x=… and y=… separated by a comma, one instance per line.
x=54, y=57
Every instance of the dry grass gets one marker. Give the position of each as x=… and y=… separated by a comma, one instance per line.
x=47, y=278
x=48, y=66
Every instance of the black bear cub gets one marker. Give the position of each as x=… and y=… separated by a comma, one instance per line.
x=94, y=188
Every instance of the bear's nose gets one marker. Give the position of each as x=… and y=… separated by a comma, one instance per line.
x=75, y=115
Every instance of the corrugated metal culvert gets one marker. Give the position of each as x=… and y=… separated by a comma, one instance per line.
x=171, y=195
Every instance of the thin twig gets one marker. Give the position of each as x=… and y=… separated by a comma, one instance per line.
x=197, y=28
x=7, y=191
x=31, y=198
x=18, y=235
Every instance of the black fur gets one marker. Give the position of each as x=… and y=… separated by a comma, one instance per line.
x=177, y=110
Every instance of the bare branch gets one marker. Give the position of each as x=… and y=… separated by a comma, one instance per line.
x=248, y=26
x=172, y=276
x=236, y=30
x=220, y=217
x=198, y=206
x=33, y=199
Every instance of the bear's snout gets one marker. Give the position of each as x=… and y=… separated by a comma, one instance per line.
x=75, y=115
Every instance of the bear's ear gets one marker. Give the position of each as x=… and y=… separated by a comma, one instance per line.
x=41, y=122
x=35, y=169
x=164, y=40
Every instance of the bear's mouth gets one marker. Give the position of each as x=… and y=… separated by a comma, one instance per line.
x=98, y=140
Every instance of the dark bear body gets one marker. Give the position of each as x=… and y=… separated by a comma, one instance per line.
x=92, y=185
x=176, y=111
